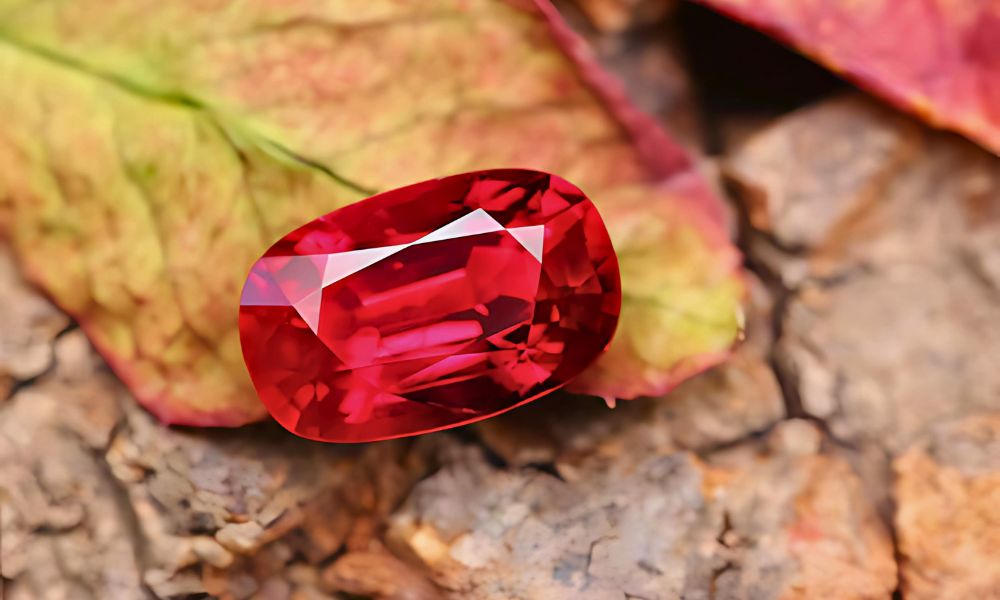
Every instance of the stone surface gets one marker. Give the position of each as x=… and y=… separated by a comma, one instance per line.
x=379, y=575
x=618, y=15
x=889, y=235
x=639, y=42
x=29, y=323
x=220, y=513
x=948, y=490
x=885, y=238
x=66, y=529
x=430, y=306
x=653, y=525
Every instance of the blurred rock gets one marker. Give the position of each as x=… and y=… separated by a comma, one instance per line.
x=66, y=529
x=761, y=521
x=380, y=576
x=894, y=323
x=637, y=41
x=803, y=177
x=268, y=501
x=948, y=490
x=619, y=15
x=29, y=324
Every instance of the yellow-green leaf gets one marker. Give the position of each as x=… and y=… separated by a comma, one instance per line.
x=151, y=151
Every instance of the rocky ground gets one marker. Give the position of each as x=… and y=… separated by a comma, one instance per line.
x=851, y=448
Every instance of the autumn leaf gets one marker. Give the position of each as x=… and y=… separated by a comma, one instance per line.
x=151, y=152
x=937, y=59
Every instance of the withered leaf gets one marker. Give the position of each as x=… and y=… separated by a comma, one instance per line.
x=151, y=152
x=939, y=60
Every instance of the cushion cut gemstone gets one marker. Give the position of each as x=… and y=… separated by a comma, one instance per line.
x=430, y=306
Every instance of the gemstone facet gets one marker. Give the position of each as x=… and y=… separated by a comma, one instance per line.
x=430, y=306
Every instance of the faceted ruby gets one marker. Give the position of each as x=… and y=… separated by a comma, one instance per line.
x=430, y=306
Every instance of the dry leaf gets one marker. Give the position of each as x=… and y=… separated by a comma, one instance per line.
x=151, y=153
x=938, y=59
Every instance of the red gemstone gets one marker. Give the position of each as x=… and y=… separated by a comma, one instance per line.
x=430, y=306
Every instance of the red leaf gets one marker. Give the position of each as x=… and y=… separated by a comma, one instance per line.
x=938, y=59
